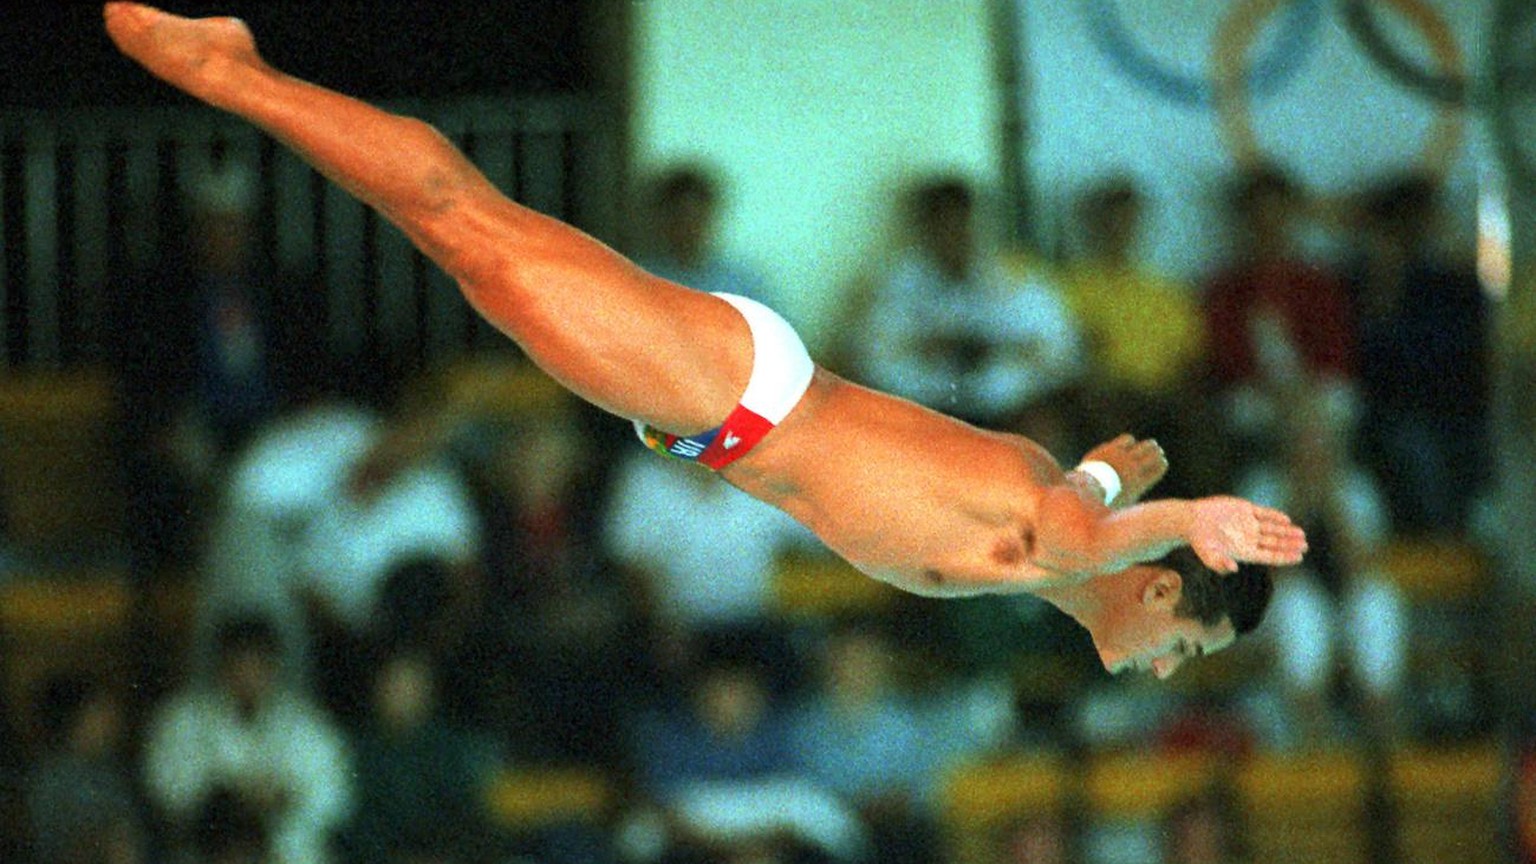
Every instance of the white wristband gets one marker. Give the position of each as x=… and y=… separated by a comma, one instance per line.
x=1106, y=476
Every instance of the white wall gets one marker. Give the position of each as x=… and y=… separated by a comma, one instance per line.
x=813, y=112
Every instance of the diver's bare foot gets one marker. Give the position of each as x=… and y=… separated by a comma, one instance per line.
x=197, y=55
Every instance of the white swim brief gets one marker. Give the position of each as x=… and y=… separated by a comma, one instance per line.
x=781, y=373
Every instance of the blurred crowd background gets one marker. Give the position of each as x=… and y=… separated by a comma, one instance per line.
x=300, y=562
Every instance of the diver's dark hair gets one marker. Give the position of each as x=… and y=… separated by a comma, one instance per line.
x=1208, y=596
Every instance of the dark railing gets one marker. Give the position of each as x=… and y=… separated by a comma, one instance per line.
x=88, y=197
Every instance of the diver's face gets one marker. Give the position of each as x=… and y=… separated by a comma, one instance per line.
x=1146, y=635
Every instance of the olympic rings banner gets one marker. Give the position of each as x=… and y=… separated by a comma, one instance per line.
x=1179, y=93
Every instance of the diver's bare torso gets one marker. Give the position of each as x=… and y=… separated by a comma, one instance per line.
x=964, y=521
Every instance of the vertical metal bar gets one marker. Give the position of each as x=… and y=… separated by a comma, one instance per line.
x=598, y=189
x=543, y=168
x=141, y=176
x=345, y=270
x=193, y=160
x=394, y=265
x=5, y=262
x=496, y=156
x=445, y=314
x=40, y=173
x=293, y=185
x=89, y=255
x=1013, y=127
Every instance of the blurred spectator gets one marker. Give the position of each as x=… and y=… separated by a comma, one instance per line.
x=404, y=530
x=1145, y=338
x=1205, y=828
x=1423, y=324
x=729, y=728
x=1121, y=715
x=291, y=470
x=1022, y=639
x=1279, y=323
x=705, y=554
x=557, y=650
x=1334, y=601
x=967, y=720
x=684, y=208
x=860, y=737
x=245, y=735
x=1212, y=721
x=202, y=354
x=82, y=805
x=326, y=511
x=721, y=768
x=1049, y=837
x=961, y=328
x=420, y=781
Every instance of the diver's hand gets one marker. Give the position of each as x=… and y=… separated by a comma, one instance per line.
x=1228, y=531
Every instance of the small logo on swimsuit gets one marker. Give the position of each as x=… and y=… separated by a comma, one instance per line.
x=731, y=440
x=687, y=448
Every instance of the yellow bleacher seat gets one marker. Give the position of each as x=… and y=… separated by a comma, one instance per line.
x=1145, y=786
x=55, y=396
x=527, y=799
x=59, y=470
x=1305, y=807
x=59, y=623
x=981, y=799
x=64, y=605
x=1448, y=804
x=1434, y=570
x=985, y=793
x=823, y=586
x=499, y=387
